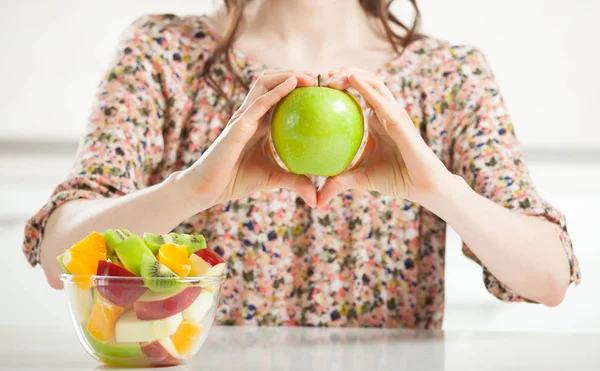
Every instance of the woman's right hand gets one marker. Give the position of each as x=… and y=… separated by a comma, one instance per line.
x=239, y=162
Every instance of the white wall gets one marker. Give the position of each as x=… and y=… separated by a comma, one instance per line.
x=544, y=56
x=543, y=52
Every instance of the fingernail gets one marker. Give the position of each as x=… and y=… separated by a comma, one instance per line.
x=334, y=84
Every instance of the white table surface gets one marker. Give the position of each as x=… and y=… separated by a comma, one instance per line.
x=265, y=349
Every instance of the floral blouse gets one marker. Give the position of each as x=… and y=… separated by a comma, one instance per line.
x=366, y=259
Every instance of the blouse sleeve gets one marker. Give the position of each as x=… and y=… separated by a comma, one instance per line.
x=123, y=142
x=487, y=154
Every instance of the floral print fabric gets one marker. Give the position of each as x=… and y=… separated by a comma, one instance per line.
x=364, y=260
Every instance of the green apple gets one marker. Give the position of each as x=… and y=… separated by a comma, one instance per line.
x=113, y=352
x=61, y=259
x=317, y=130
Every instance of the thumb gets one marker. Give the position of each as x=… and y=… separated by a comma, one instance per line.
x=353, y=179
x=295, y=183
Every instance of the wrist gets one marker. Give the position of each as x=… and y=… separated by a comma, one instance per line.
x=183, y=196
x=449, y=198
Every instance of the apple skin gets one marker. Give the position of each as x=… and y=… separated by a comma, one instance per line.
x=210, y=256
x=317, y=130
x=160, y=309
x=159, y=355
x=122, y=292
x=209, y=264
x=112, y=352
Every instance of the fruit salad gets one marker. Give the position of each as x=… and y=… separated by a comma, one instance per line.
x=142, y=301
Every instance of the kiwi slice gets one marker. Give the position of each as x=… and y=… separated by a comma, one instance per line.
x=197, y=242
x=131, y=251
x=155, y=241
x=192, y=242
x=113, y=238
x=181, y=239
x=157, y=277
x=61, y=259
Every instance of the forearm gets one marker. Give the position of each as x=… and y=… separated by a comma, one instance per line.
x=156, y=209
x=524, y=253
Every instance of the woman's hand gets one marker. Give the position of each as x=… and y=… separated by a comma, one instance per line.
x=396, y=160
x=238, y=163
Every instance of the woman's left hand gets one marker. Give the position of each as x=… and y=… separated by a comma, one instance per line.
x=396, y=160
x=530, y=260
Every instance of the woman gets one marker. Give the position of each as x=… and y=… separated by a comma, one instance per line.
x=164, y=152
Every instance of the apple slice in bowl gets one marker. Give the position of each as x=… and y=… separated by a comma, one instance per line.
x=161, y=352
x=206, y=262
x=117, y=284
x=201, y=306
x=153, y=305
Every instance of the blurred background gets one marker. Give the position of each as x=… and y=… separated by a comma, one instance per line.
x=544, y=54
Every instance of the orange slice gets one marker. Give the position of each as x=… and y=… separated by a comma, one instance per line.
x=186, y=335
x=175, y=258
x=102, y=319
x=83, y=257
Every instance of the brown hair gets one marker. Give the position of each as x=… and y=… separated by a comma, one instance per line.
x=376, y=8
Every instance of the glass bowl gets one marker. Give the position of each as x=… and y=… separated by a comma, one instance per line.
x=121, y=322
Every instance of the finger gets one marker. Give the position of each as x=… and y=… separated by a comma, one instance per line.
x=381, y=88
x=270, y=82
x=334, y=74
x=267, y=82
x=273, y=72
x=339, y=78
x=306, y=81
x=397, y=123
x=265, y=102
x=352, y=179
x=247, y=122
x=264, y=83
x=269, y=79
x=336, y=71
x=299, y=184
x=344, y=70
x=341, y=81
x=337, y=82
